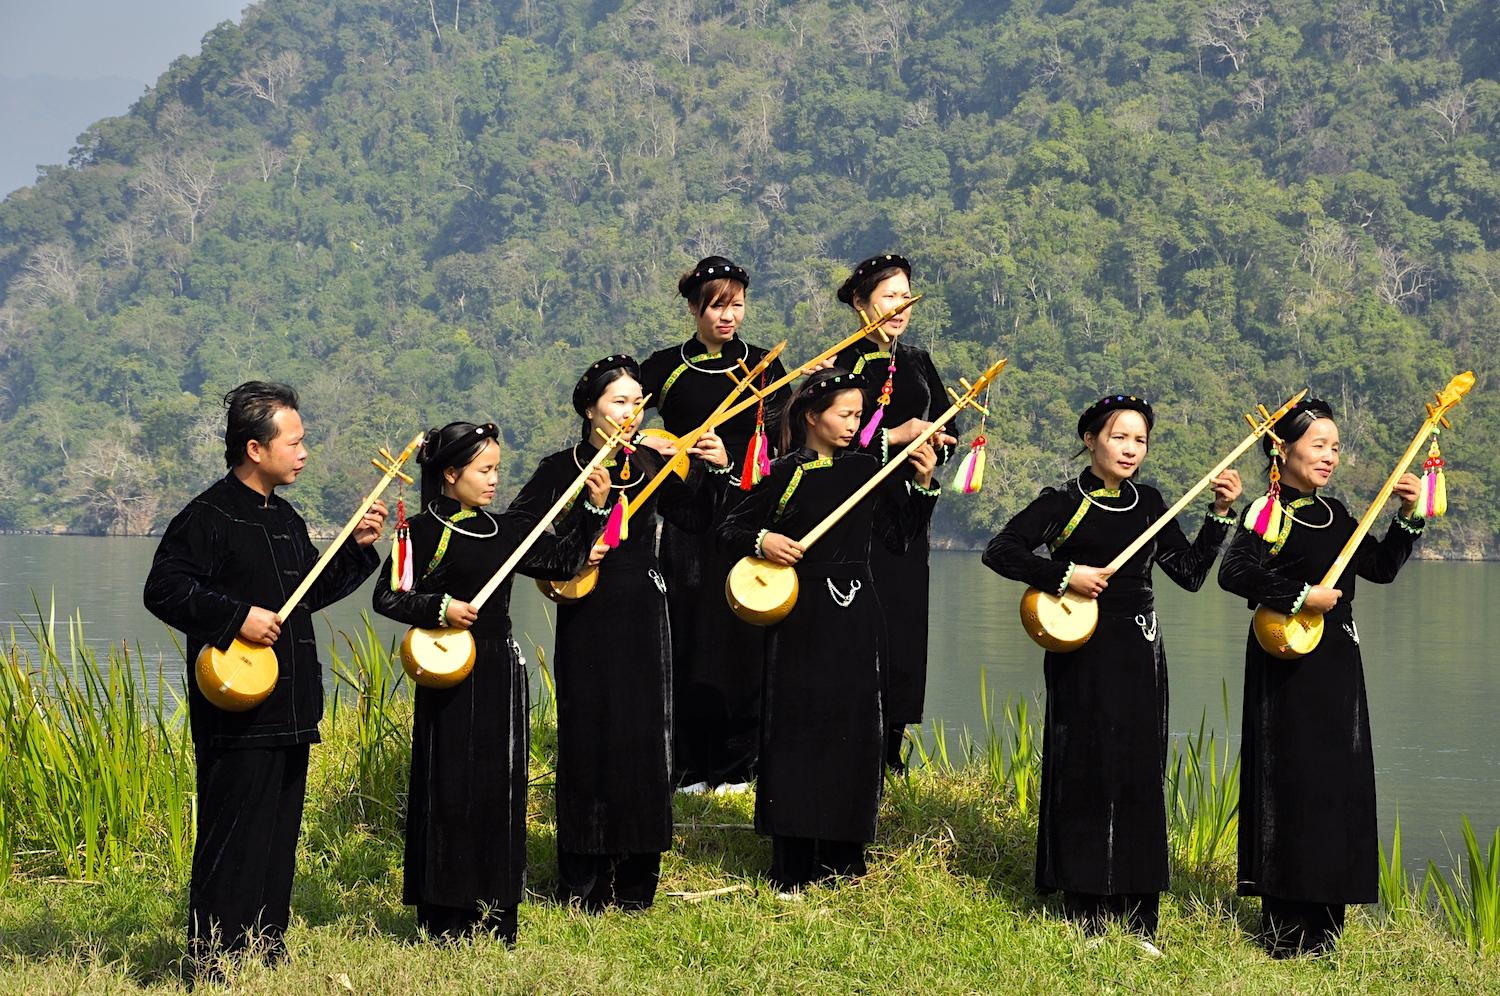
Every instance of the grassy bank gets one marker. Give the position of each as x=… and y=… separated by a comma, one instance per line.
x=947, y=907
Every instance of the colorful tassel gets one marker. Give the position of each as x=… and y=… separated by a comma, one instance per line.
x=1433, y=501
x=758, y=454
x=615, y=529
x=1263, y=517
x=868, y=432
x=402, y=572
x=970, y=476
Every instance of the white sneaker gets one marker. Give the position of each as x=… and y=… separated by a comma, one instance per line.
x=697, y=788
x=732, y=788
x=1151, y=950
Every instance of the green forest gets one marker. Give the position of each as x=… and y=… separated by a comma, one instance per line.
x=421, y=211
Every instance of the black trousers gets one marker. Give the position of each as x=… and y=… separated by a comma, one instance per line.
x=452, y=923
x=599, y=880
x=249, y=816
x=1290, y=927
x=1138, y=911
x=799, y=861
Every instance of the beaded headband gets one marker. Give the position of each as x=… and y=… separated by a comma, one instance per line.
x=874, y=264
x=712, y=268
x=581, y=392
x=1115, y=403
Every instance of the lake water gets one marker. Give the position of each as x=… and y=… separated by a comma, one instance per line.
x=1432, y=689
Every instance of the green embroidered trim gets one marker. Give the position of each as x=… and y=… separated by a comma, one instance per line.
x=1067, y=530
x=791, y=487
x=1083, y=508
x=1412, y=525
x=667, y=385
x=1227, y=519
x=859, y=364
x=1297, y=605
x=442, y=547
x=1067, y=576
x=443, y=610
x=932, y=492
x=1286, y=529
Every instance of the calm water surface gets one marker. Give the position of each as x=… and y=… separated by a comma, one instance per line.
x=1432, y=687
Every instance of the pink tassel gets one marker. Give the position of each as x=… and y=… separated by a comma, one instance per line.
x=763, y=458
x=868, y=433
x=614, y=530
x=1264, y=517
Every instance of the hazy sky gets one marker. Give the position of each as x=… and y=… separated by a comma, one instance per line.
x=112, y=48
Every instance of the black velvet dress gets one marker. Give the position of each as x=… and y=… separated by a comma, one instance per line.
x=613, y=670
x=822, y=730
x=1307, y=780
x=1103, y=829
x=466, y=816
x=902, y=578
x=715, y=657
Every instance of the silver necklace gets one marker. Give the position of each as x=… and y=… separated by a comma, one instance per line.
x=1109, y=508
x=1288, y=513
x=617, y=487
x=494, y=523
x=682, y=351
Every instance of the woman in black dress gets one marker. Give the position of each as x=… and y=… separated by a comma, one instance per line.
x=466, y=811
x=1102, y=834
x=1307, y=837
x=818, y=791
x=715, y=656
x=612, y=662
x=903, y=394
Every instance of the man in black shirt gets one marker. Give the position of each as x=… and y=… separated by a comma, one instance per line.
x=225, y=563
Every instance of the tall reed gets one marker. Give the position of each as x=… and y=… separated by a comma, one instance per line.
x=369, y=695
x=1470, y=904
x=97, y=773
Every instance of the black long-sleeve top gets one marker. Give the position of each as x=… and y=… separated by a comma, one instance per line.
x=686, y=383
x=230, y=549
x=1097, y=537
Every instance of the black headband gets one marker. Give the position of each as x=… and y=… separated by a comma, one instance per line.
x=440, y=446
x=862, y=272
x=584, y=391
x=840, y=381
x=1096, y=412
x=711, y=268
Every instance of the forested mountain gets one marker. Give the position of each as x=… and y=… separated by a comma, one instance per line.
x=417, y=211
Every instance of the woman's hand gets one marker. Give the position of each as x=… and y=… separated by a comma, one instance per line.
x=666, y=446
x=1408, y=488
x=598, y=486
x=461, y=615
x=1089, y=582
x=914, y=427
x=779, y=549
x=368, y=530
x=710, y=449
x=1321, y=599
x=924, y=459
x=597, y=554
x=1227, y=488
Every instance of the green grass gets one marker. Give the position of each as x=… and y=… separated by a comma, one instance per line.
x=948, y=905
